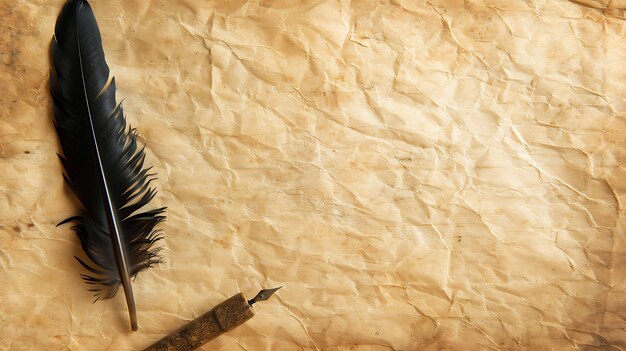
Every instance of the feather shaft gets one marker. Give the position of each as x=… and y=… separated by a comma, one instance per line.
x=120, y=252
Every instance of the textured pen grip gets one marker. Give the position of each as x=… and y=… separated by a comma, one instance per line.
x=222, y=318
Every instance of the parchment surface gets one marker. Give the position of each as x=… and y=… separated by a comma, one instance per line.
x=419, y=175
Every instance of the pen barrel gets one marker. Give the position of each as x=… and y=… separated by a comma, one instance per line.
x=222, y=318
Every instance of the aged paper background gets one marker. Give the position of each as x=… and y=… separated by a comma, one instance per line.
x=419, y=175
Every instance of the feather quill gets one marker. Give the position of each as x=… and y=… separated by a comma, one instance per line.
x=103, y=164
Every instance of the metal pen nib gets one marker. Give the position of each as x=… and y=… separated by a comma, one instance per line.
x=263, y=295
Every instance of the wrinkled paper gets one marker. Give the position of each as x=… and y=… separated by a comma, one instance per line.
x=418, y=175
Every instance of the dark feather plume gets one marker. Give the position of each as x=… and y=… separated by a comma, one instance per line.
x=103, y=164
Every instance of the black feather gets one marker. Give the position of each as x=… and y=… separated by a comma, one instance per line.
x=103, y=164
